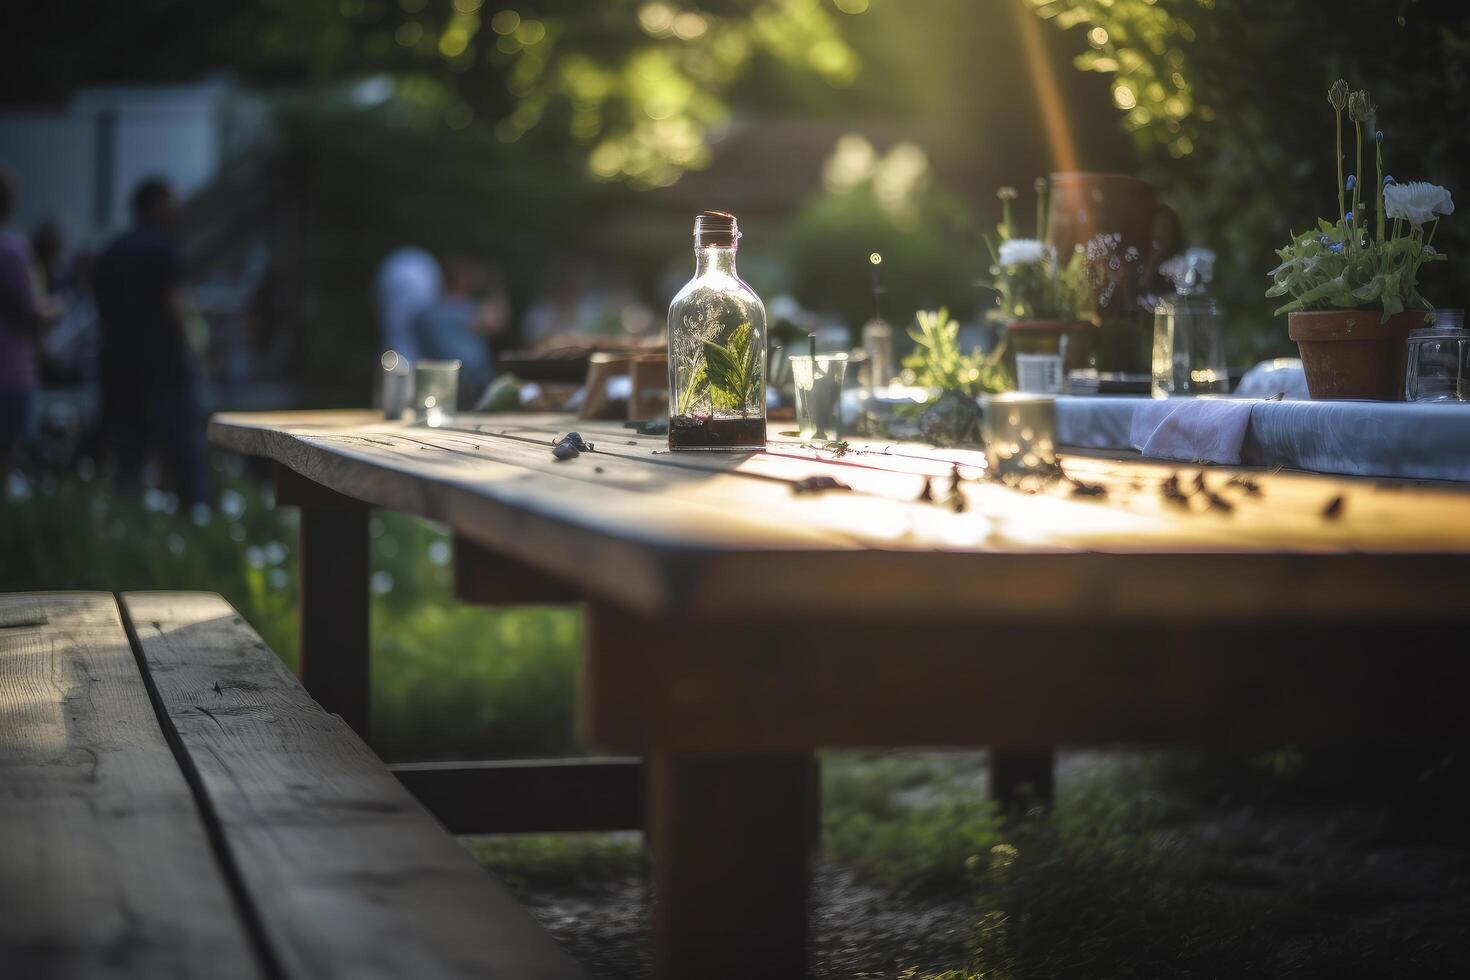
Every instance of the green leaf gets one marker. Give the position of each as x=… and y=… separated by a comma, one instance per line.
x=697, y=380
x=732, y=369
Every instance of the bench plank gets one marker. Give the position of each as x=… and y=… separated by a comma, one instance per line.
x=105, y=865
x=351, y=877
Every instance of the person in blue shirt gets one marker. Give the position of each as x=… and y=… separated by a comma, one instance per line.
x=148, y=371
x=459, y=324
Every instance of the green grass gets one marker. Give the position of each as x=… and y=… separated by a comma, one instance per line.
x=449, y=680
x=550, y=861
x=917, y=850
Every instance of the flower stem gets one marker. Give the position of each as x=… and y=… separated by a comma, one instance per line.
x=1358, y=169
x=1378, y=206
x=1341, y=208
x=1432, y=229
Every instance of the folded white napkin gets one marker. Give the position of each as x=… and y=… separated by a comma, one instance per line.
x=1195, y=430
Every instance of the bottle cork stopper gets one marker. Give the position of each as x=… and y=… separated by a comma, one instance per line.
x=715, y=228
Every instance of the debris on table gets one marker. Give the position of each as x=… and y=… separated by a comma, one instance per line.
x=956, y=495
x=1081, y=488
x=1171, y=492
x=926, y=494
x=571, y=445
x=649, y=427
x=818, y=484
x=1333, y=510
x=1212, y=498
x=1245, y=483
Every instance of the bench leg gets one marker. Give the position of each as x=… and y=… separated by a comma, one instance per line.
x=731, y=845
x=334, y=610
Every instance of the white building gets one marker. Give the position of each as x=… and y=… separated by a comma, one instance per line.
x=78, y=165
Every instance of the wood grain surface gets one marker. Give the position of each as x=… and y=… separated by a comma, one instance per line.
x=722, y=534
x=105, y=866
x=351, y=877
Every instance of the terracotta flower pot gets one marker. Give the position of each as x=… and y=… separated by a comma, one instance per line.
x=1352, y=353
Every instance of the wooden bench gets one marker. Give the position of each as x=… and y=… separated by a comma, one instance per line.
x=173, y=803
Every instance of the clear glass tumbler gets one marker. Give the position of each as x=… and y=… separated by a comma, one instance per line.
x=397, y=384
x=1019, y=430
x=1439, y=360
x=818, y=394
x=435, y=391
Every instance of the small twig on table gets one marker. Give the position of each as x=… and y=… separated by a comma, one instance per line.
x=818, y=484
x=956, y=495
x=1212, y=498
x=1245, y=483
x=1171, y=492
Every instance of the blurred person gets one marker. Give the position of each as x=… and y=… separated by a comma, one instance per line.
x=24, y=313
x=148, y=371
x=559, y=314
x=587, y=306
x=459, y=324
x=49, y=248
x=408, y=280
x=71, y=346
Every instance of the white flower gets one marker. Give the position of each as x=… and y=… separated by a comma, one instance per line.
x=1419, y=202
x=1023, y=251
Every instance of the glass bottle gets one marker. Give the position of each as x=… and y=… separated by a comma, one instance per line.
x=878, y=345
x=1189, y=338
x=717, y=348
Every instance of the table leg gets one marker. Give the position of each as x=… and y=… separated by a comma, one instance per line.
x=730, y=838
x=333, y=659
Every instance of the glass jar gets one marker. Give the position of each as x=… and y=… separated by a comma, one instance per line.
x=1189, y=337
x=717, y=348
x=1439, y=360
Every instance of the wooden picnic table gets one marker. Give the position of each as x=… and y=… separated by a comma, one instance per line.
x=738, y=621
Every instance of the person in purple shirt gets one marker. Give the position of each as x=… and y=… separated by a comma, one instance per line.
x=149, y=398
x=24, y=313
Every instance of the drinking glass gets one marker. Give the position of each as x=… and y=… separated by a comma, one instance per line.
x=1020, y=437
x=435, y=391
x=397, y=384
x=1439, y=360
x=818, y=394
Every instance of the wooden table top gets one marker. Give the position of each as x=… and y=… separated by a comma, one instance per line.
x=727, y=534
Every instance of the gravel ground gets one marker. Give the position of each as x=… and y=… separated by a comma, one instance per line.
x=858, y=930
x=1340, y=891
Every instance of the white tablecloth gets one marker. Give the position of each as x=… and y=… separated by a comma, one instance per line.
x=1392, y=439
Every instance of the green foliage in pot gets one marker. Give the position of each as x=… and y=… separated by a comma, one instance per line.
x=1029, y=281
x=938, y=362
x=1348, y=265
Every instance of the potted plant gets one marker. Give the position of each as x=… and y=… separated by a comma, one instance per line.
x=1043, y=304
x=1354, y=288
x=938, y=363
